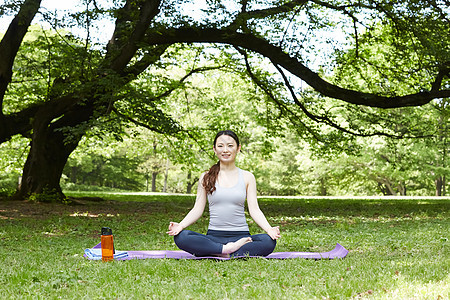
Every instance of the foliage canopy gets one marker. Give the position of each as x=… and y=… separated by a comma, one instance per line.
x=55, y=87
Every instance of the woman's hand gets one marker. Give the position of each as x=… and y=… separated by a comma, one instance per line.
x=274, y=232
x=174, y=228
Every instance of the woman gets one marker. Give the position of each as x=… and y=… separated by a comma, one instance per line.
x=226, y=187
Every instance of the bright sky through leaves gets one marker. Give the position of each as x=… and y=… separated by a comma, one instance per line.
x=60, y=8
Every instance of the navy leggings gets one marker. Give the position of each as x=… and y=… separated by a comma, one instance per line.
x=210, y=244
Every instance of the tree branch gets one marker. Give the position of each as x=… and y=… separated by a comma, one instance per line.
x=163, y=95
x=122, y=47
x=11, y=42
x=183, y=79
x=245, y=15
x=444, y=71
x=325, y=119
x=136, y=122
x=293, y=65
x=292, y=116
x=9, y=46
x=148, y=59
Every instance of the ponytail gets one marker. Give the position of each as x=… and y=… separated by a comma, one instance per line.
x=210, y=178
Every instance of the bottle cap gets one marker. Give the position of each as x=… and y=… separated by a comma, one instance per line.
x=106, y=231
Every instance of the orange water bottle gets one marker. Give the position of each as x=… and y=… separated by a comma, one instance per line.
x=107, y=244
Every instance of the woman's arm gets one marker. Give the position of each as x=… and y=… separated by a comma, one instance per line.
x=254, y=210
x=194, y=214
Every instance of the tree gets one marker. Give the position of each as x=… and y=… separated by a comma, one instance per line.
x=77, y=98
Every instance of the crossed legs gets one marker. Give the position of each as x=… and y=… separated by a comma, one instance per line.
x=224, y=243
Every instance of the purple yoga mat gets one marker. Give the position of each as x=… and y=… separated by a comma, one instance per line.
x=338, y=252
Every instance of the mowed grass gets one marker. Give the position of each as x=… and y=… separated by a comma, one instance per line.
x=399, y=249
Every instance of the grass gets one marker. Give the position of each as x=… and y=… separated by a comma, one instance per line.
x=399, y=249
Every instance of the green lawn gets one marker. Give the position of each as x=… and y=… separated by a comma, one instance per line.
x=399, y=249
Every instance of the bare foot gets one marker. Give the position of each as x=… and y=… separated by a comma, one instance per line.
x=222, y=255
x=235, y=246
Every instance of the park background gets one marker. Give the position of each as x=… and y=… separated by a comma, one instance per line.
x=108, y=113
x=154, y=133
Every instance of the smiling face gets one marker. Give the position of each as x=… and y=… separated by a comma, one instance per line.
x=226, y=149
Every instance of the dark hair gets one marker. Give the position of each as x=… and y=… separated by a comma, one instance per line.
x=210, y=178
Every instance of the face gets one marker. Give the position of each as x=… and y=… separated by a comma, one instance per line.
x=226, y=148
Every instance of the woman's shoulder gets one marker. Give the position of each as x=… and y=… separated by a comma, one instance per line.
x=248, y=175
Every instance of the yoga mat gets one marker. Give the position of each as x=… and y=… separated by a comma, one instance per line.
x=95, y=254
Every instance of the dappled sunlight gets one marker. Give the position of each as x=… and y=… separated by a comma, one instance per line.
x=405, y=288
x=46, y=233
x=92, y=215
x=5, y=212
x=10, y=210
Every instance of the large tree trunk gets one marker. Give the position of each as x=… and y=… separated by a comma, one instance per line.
x=50, y=149
x=44, y=166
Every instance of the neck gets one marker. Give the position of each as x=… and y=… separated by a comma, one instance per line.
x=227, y=167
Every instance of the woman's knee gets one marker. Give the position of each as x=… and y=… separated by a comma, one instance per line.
x=262, y=245
x=182, y=237
x=263, y=237
x=267, y=241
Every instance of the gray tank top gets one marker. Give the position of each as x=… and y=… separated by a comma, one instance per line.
x=226, y=207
